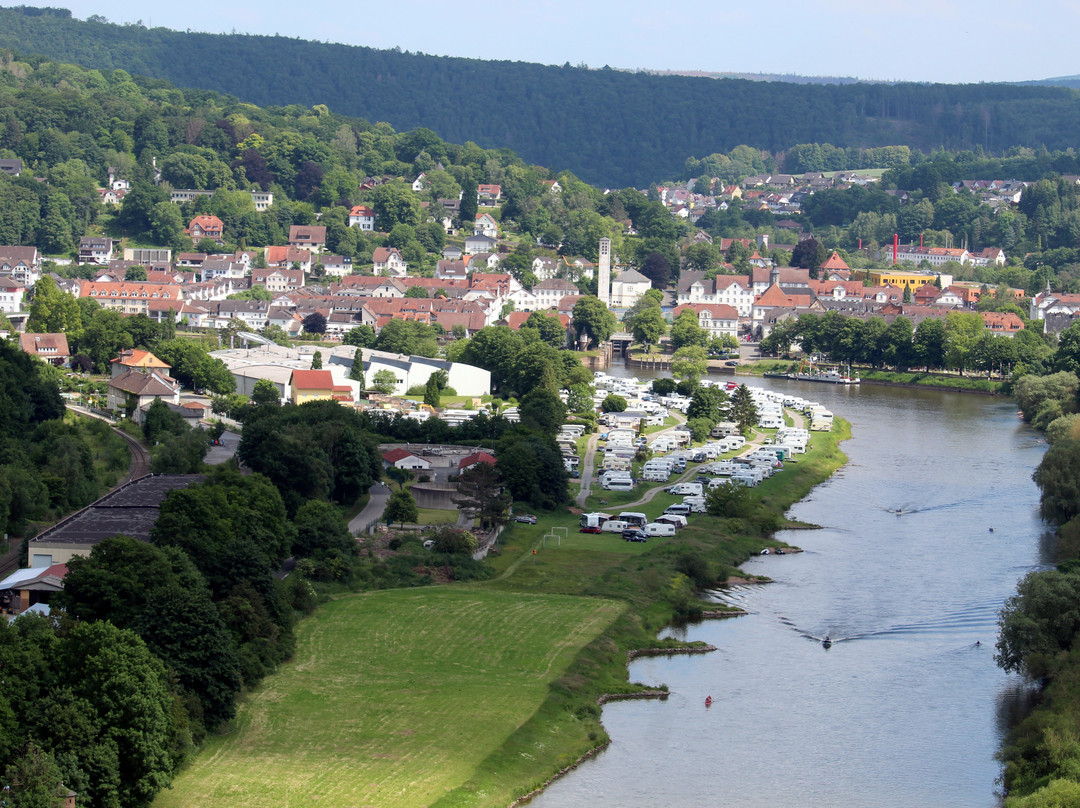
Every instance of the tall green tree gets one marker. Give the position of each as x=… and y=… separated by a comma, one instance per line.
x=689, y=363
x=593, y=320
x=686, y=330
x=53, y=311
x=401, y=508
x=743, y=410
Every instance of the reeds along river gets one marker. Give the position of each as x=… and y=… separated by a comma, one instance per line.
x=907, y=707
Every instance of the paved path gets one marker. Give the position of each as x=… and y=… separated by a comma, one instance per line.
x=373, y=511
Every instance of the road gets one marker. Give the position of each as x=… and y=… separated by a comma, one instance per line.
x=373, y=511
x=588, y=464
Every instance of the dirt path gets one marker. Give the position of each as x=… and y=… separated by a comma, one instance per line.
x=588, y=468
x=589, y=465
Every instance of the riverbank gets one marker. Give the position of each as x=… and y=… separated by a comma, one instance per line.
x=479, y=694
x=659, y=582
x=946, y=382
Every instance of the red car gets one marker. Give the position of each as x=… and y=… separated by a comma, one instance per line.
x=590, y=530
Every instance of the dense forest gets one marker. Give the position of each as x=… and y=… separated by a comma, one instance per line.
x=609, y=127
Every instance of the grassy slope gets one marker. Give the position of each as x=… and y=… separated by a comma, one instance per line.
x=510, y=712
x=393, y=698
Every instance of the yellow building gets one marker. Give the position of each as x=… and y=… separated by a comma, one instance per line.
x=311, y=385
x=906, y=277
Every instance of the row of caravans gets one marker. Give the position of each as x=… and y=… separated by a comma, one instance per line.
x=664, y=525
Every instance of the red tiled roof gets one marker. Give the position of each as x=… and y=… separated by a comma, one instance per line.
x=394, y=455
x=473, y=459
x=312, y=380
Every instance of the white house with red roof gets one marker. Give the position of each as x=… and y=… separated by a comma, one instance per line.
x=488, y=194
x=469, y=461
x=485, y=225
x=363, y=217
x=403, y=459
x=716, y=319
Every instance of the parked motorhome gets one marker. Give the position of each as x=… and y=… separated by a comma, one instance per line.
x=686, y=489
x=594, y=519
x=723, y=429
x=695, y=504
x=633, y=518
x=674, y=519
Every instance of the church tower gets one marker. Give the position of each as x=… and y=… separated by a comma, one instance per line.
x=603, y=277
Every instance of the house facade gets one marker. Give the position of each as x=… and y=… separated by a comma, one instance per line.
x=12, y=293
x=308, y=237
x=716, y=319
x=95, y=250
x=363, y=217
x=627, y=288
x=388, y=261
x=206, y=226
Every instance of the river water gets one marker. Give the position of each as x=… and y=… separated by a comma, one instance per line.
x=907, y=708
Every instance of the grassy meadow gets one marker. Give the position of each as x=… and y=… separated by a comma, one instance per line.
x=471, y=695
x=393, y=699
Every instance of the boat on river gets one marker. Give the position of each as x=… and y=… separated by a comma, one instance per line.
x=808, y=373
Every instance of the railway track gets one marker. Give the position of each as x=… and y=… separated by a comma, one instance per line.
x=140, y=457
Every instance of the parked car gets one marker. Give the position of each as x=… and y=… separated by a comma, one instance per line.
x=526, y=518
x=732, y=363
x=575, y=474
x=594, y=529
x=635, y=535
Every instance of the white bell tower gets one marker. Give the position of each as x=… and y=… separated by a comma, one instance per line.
x=603, y=276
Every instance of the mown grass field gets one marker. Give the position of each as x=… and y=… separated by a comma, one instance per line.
x=394, y=698
x=468, y=696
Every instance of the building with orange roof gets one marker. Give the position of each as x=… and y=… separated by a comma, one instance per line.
x=834, y=261
x=205, y=225
x=315, y=385
x=516, y=319
x=130, y=297
x=363, y=217
x=1002, y=322
x=137, y=359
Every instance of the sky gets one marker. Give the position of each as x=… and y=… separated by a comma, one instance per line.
x=951, y=41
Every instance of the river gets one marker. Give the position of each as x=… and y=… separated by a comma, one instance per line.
x=907, y=708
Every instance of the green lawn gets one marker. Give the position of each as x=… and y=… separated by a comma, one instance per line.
x=433, y=516
x=394, y=698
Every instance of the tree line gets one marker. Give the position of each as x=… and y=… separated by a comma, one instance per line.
x=549, y=114
x=1040, y=625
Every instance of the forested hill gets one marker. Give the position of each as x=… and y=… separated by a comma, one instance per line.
x=609, y=127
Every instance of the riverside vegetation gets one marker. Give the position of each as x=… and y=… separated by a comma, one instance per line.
x=478, y=693
x=1040, y=625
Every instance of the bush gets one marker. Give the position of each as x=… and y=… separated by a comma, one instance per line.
x=453, y=541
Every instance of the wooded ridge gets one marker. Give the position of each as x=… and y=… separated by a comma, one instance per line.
x=609, y=127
